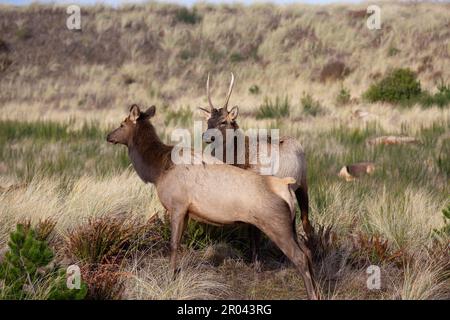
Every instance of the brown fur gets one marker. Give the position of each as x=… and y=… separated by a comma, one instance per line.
x=356, y=170
x=213, y=193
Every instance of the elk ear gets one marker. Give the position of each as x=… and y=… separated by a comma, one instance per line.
x=149, y=113
x=206, y=113
x=232, y=115
x=135, y=112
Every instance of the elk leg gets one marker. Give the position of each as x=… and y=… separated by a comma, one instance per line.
x=255, y=240
x=303, y=202
x=178, y=222
x=297, y=252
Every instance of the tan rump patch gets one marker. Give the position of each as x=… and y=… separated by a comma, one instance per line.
x=289, y=180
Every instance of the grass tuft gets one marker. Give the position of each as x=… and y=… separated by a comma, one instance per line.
x=310, y=106
x=107, y=239
x=278, y=108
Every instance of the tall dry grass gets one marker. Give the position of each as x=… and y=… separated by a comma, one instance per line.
x=142, y=53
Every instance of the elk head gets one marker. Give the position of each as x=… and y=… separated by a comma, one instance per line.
x=129, y=126
x=220, y=118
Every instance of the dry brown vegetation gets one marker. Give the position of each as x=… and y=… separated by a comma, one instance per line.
x=60, y=92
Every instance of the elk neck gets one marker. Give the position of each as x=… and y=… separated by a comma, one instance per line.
x=149, y=155
x=237, y=151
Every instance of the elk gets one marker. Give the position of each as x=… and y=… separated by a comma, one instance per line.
x=356, y=170
x=292, y=161
x=217, y=193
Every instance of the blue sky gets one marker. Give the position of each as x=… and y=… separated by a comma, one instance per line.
x=187, y=2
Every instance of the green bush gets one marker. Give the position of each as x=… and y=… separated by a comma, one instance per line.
x=440, y=98
x=236, y=57
x=59, y=290
x=274, y=109
x=25, y=265
x=254, y=89
x=343, y=97
x=399, y=86
x=187, y=16
x=310, y=106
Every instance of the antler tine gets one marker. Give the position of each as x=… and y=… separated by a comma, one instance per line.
x=209, y=94
x=230, y=89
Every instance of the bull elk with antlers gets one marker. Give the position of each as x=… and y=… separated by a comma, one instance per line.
x=291, y=163
x=217, y=194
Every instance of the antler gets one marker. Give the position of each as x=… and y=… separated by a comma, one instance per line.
x=230, y=89
x=209, y=94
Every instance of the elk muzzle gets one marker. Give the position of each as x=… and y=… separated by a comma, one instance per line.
x=110, y=138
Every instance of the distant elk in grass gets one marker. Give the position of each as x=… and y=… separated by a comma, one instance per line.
x=213, y=192
x=291, y=163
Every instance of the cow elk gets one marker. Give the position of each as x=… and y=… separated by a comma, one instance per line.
x=217, y=194
x=292, y=161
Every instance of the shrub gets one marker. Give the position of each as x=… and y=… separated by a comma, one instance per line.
x=440, y=98
x=103, y=242
x=187, y=16
x=310, y=106
x=399, y=86
x=254, y=89
x=26, y=264
x=108, y=238
x=105, y=281
x=343, y=97
x=274, y=109
x=44, y=229
x=59, y=290
x=374, y=250
x=333, y=71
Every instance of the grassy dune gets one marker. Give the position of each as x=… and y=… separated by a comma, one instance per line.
x=157, y=54
x=59, y=100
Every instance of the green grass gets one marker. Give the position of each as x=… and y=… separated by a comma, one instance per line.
x=56, y=150
x=51, y=148
x=343, y=97
x=397, y=166
x=181, y=117
x=311, y=106
x=441, y=98
x=278, y=108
